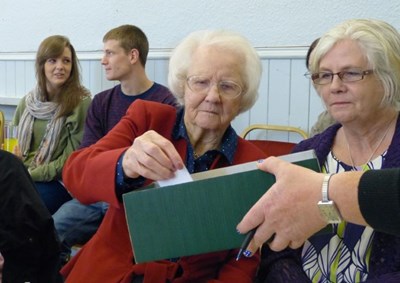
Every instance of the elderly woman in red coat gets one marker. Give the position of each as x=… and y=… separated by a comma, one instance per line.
x=215, y=75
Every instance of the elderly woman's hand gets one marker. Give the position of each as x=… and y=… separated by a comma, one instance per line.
x=151, y=156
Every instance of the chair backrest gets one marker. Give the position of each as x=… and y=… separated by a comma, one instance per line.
x=272, y=147
x=2, y=122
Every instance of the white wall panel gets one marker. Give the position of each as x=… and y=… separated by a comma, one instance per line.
x=299, y=97
x=286, y=97
x=30, y=77
x=161, y=71
x=258, y=114
x=85, y=74
x=150, y=68
x=3, y=78
x=315, y=108
x=10, y=79
x=20, y=80
x=279, y=96
x=95, y=76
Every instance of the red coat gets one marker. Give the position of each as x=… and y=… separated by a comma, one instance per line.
x=90, y=176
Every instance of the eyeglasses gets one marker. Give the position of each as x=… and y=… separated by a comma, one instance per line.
x=202, y=85
x=324, y=78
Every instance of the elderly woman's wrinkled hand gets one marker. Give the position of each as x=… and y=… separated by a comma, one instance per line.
x=151, y=156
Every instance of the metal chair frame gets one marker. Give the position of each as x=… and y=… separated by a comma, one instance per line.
x=273, y=147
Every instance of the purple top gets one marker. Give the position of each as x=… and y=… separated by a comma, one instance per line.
x=109, y=106
x=384, y=262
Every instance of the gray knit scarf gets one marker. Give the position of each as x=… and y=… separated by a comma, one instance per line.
x=45, y=110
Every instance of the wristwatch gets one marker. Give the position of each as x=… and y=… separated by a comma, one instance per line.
x=327, y=207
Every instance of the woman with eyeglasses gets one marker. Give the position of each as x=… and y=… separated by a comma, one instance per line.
x=215, y=75
x=355, y=69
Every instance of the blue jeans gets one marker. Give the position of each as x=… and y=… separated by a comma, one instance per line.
x=76, y=223
x=53, y=194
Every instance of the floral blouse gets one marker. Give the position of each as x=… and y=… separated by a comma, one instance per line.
x=344, y=255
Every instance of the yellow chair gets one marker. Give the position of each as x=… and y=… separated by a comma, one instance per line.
x=2, y=121
x=272, y=147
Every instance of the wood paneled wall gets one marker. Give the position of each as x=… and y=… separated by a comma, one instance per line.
x=286, y=97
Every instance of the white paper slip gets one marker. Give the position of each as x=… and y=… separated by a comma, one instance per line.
x=181, y=176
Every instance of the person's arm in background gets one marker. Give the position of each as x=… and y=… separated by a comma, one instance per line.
x=74, y=125
x=379, y=199
x=93, y=129
x=289, y=208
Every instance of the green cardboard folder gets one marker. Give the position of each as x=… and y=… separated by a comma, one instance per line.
x=199, y=216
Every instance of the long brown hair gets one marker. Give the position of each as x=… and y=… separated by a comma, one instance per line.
x=72, y=91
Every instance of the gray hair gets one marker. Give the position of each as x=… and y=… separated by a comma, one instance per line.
x=380, y=43
x=181, y=60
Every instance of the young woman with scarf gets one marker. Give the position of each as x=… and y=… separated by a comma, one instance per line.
x=51, y=117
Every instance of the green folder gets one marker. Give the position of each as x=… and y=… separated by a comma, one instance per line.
x=199, y=216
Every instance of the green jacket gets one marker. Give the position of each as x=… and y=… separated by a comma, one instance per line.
x=70, y=138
